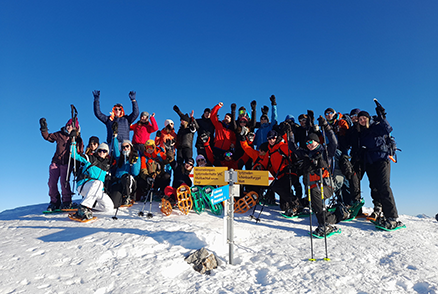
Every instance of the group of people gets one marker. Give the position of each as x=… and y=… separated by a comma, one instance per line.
x=331, y=156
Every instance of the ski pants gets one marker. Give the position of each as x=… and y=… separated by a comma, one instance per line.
x=379, y=177
x=317, y=205
x=282, y=187
x=59, y=172
x=95, y=197
x=184, y=153
x=125, y=186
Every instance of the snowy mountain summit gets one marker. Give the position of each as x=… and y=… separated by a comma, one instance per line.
x=52, y=254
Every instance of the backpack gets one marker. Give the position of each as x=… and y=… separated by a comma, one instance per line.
x=391, y=144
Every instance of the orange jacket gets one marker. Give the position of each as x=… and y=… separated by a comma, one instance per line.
x=257, y=159
x=165, y=135
x=277, y=159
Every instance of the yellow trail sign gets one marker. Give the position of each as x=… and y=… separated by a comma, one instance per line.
x=204, y=176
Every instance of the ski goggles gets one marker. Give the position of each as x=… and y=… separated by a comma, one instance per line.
x=126, y=147
x=228, y=154
x=309, y=142
x=329, y=112
x=102, y=150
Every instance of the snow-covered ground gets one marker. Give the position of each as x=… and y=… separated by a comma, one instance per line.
x=52, y=254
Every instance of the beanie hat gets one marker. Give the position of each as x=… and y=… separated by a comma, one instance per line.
x=271, y=134
x=168, y=121
x=103, y=146
x=70, y=122
x=364, y=113
x=200, y=156
x=329, y=110
x=207, y=110
x=354, y=111
x=145, y=113
x=229, y=114
x=264, y=147
x=190, y=161
x=93, y=139
x=127, y=142
x=185, y=117
x=302, y=116
x=313, y=136
x=290, y=117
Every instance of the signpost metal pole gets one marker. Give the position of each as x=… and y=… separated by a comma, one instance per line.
x=231, y=218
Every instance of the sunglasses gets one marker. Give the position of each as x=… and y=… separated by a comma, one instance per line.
x=328, y=113
x=102, y=150
x=200, y=160
x=272, y=138
x=117, y=109
x=191, y=164
x=353, y=115
x=303, y=119
x=126, y=147
x=309, y=142
x=242, y=111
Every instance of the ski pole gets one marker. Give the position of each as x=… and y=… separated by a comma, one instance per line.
x=149, y=214
x=323, y=215
x=310, y=218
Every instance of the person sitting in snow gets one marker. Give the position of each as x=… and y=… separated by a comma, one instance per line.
x=91, y=184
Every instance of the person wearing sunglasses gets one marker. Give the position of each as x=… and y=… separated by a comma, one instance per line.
x=60, y=169
x=205, y=127
x=166, y=134
x=265, y=126
x=187, y=129
x=225, y=138
x=278, y=160
x=201, y=161
x=91, y=183
x=116, y=115
x=143, y=130
x=123, y=184
x=317, y=160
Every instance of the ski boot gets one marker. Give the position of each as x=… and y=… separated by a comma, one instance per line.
x=52, y=207
x=326, y=231
x=83, y=213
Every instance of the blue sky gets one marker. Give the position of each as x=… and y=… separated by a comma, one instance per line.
x=310, y=54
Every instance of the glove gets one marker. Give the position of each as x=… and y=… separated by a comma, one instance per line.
x=253, y=104
x=311, y=115
x=115, y=128
x=243, y=133
x=273, y=100
x=96, y=94
x=158, y=134
x=132, y=95
x=73, y=134
x=265, y=109
x=204, y=137
x=134, y=157
x=176, y=109
x=381, y=111
x=168, y=144
x=251, y=136
x=43, y=125
x=233, y=106
x=322, y=122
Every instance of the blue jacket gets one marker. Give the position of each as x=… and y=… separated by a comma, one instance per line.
x=262, y=132
x=95, y=170
x=124, y=122
x=127, y=168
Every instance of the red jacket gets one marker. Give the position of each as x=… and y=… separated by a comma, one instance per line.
x=277, y=159
x=142, y=132
x=223, y=137
x=257, y=159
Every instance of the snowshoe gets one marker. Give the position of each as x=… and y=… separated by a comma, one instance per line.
x=127, y=202
x=375, y=214
x=354, y=210
x=388, y=224
x=52, y=207
x=185, y=202
x=198, y=202
x=246, y=202
x=216, y=209
x=166, y=207
x=329, y=231
x=292, y=213
x=83, y=215
x=69, y=206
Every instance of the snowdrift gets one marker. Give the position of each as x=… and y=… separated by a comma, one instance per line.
x=52, y=254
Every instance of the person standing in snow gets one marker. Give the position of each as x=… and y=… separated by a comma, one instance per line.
x=186, y=132
x=59, y=169
x=205, y=127
x=143, y=130
x=369, y=145
x=116, y=115
x=316, y=161
x=265, y=126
